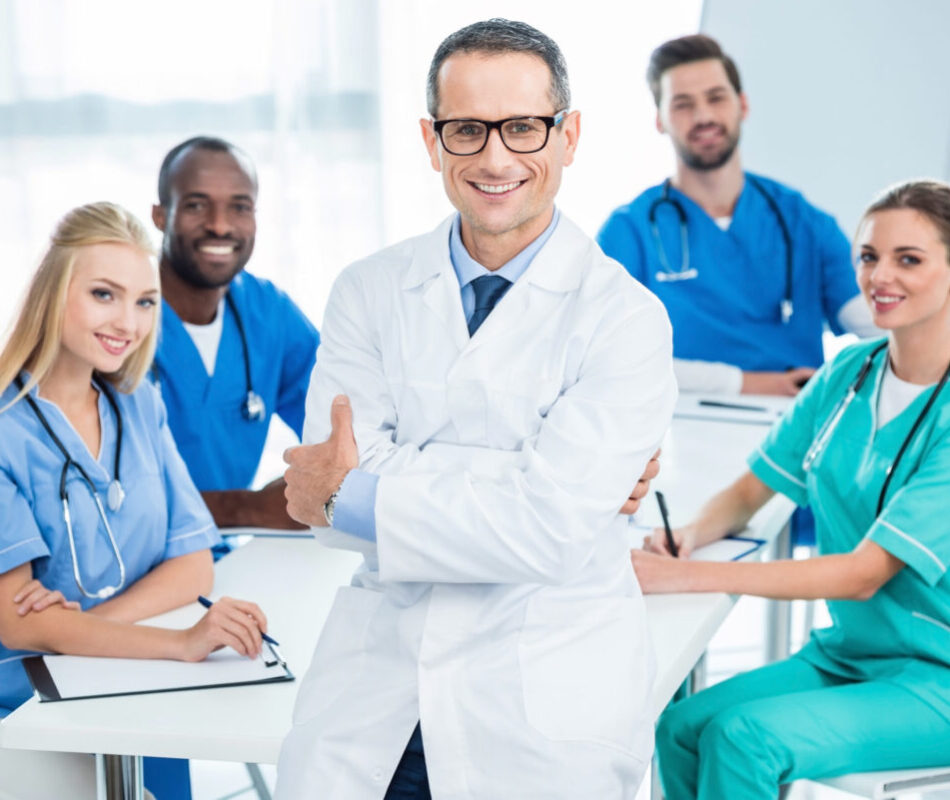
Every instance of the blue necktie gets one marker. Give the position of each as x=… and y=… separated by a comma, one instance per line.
x=489, y=289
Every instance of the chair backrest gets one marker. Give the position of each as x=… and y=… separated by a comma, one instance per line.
x=893, y=784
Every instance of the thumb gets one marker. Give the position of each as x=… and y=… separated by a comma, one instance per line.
x=341, y=416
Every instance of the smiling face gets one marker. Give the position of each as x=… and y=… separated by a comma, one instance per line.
x=903, y=270
x=209, y=224
x=110, y=306
x=702, y=113
x=497, y=192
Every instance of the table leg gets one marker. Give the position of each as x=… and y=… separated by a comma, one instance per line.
x=779, y=626
x=119, y=777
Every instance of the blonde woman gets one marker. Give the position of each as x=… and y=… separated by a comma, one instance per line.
x=102, y=525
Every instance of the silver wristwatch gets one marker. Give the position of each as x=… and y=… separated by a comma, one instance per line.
x=328, y=507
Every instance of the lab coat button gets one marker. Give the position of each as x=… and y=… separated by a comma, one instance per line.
x=377, y=775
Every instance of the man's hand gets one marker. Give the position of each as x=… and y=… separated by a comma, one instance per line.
x=317, y=470
x=34, y=596
x=781, y=383
x=643, y=485
x=261, y=508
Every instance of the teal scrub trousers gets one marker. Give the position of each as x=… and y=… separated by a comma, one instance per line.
x=744, y=737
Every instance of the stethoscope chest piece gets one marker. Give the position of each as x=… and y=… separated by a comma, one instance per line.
x=254, y=408
x=115, y=495
x=672, y=277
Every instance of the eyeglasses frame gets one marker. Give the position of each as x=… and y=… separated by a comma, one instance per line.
x=549, y=122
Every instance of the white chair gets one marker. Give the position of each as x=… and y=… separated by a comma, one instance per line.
x=889, y=785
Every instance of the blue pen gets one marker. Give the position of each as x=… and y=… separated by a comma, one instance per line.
x=207, y=604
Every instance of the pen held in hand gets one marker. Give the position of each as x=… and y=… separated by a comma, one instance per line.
x=207, y=604
x=670, y=542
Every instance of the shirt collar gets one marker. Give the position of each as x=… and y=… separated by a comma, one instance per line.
x=468, y=269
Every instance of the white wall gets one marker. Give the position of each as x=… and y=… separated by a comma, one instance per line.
x=846, y=96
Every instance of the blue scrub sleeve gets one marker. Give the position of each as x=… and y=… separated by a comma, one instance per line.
x=355, y=508
x=301, y=340
x=190, y=526
x=838, y=280
x=912, y=526
x=20, y=539
x=777, y=462
x=620, y=241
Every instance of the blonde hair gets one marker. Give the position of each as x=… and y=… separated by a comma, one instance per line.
x=34, y=338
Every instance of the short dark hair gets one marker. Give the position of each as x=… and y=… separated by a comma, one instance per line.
x=928, y=197
x=501, y=36
x=212, y=143
x=686, y=49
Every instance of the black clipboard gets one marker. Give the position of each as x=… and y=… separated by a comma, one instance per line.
x=43, y=676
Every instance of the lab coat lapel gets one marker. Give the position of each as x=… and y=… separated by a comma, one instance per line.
x=431, y=274
x=555, y=270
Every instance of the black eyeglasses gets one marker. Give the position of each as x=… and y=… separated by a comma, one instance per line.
x=466, y=137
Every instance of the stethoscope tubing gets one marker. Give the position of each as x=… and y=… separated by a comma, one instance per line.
x=827, y=430
x=685, y=272
x=253, y=408
x=106, y=591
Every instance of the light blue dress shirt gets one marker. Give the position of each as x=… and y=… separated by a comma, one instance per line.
x=355, y=507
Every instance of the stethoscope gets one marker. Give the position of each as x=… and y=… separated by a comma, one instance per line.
x=114, y=496
x=253, y=408
x=824, y=434
x=686, y=272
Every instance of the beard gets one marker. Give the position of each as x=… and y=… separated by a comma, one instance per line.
x=706, y=162
x=175, y=252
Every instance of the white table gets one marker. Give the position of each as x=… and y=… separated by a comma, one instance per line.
x=295, y=580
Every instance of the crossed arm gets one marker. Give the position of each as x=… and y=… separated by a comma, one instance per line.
x=34, y=618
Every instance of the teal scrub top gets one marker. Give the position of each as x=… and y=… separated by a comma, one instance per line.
x=902, y=634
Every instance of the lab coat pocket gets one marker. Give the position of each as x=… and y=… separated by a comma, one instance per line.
x=340, y=654
x=585, y=671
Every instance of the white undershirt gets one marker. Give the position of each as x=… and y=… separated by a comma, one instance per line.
x=894, y=396
x=723, y=222
x=207, y=338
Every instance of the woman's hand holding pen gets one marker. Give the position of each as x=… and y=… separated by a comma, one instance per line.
x=233, y=623
x=684, y=537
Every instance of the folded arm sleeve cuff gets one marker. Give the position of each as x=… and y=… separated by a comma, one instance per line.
x=355, y=508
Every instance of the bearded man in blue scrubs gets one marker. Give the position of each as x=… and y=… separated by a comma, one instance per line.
x=709, y=242
x=233, y=348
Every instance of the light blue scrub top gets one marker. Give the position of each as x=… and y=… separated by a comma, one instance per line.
x=730, y=311
x=221, y=448
x=902, y=634
x=163, y=515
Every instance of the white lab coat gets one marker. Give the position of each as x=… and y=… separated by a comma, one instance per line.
x=499, y=606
